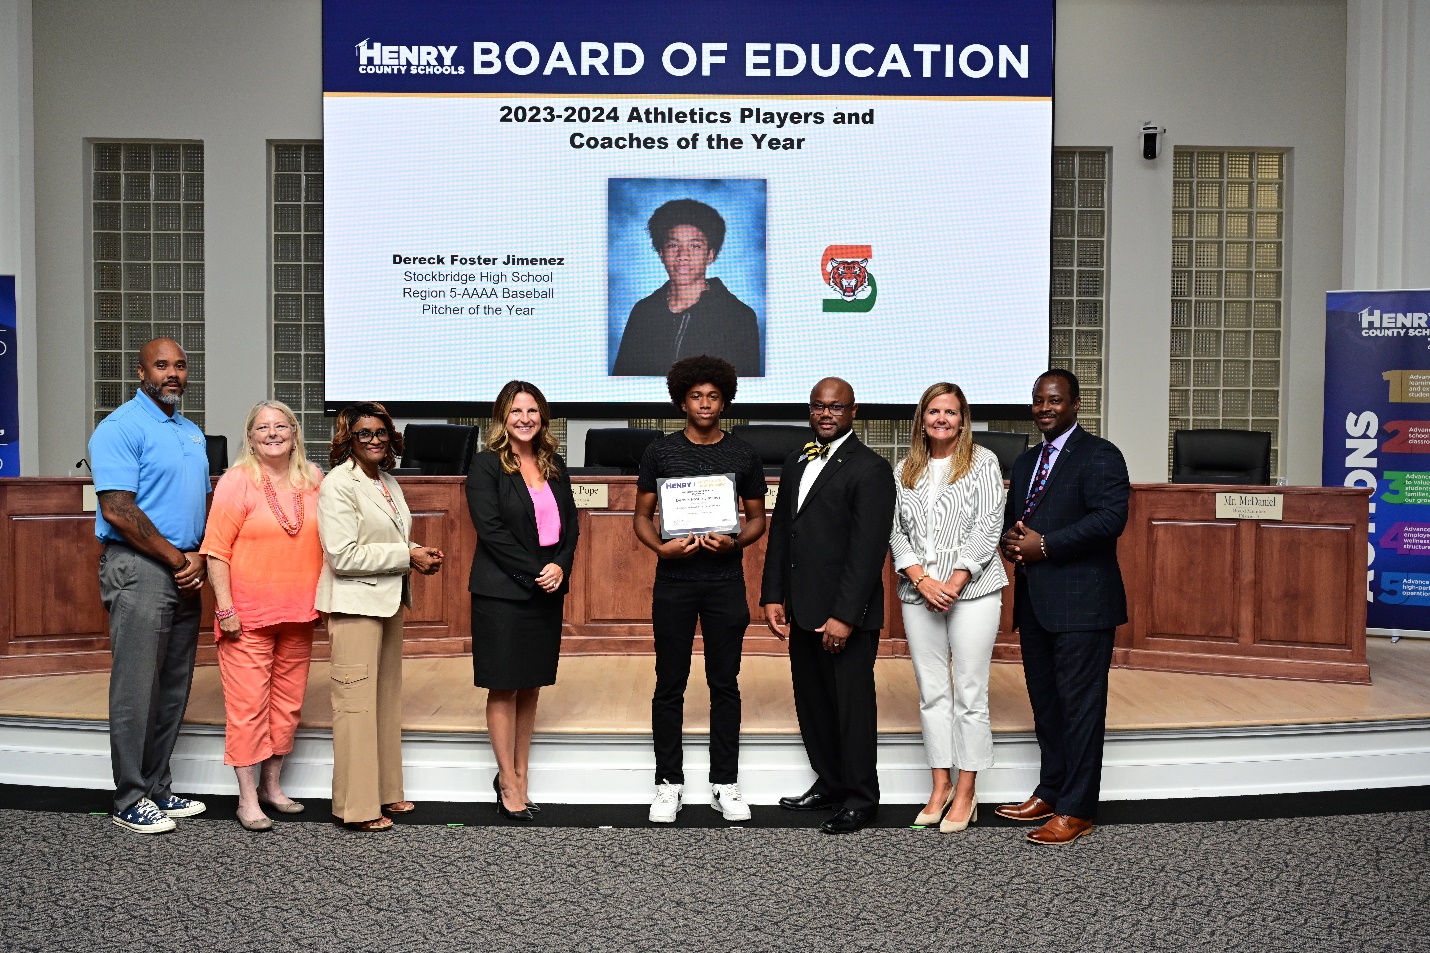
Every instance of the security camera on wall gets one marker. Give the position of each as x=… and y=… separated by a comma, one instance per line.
x=1152, y=140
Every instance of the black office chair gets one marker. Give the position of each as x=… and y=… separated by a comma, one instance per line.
x=216, y=446
x=615, y=451
x=438, y=449
x=1231, y=457
x=1005, y=446
x=773, y=442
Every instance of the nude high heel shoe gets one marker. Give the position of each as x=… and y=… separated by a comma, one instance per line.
x=949, y=826
x=929, y=818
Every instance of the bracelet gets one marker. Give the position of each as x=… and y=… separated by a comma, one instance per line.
x=920, y=579
x=1043, y=545
x=221, y=614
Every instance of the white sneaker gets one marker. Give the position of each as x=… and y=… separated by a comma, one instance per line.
x=667, y=803
x=727, y=801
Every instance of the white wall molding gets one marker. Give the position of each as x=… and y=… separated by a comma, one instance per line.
x=618, y=769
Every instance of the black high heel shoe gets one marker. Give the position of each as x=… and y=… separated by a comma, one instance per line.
x=522, y=815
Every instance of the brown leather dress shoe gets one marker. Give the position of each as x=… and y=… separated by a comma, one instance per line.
x=1062, y=829
x=1033, y=809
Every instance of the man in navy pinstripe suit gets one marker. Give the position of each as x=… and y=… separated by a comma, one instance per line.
x=1067, y=504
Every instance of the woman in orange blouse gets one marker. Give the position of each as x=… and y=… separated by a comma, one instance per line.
x=264, y=557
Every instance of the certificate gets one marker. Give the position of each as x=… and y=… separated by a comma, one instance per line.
x=699, y=504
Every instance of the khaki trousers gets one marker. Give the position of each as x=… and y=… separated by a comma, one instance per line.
x=366, y=682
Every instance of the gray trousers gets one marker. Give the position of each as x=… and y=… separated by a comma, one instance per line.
x=153, y=636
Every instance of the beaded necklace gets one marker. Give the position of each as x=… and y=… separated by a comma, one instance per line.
x=293, y=528
x=386, y=493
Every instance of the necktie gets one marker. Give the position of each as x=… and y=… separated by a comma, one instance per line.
x=814, y=450
x=1041, y=481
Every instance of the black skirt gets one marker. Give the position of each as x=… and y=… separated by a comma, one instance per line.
x=516, y=642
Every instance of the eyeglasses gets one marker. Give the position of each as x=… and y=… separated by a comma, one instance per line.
x=835, y=409
x=368, y=436
x=275, y=428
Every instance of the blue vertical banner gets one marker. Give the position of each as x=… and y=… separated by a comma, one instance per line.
x=9, y=382
x=1377, y=435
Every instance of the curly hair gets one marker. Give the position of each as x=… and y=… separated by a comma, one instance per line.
x=499, y=441
x=918, y=459
x=341, y=449
x=687, y=212
x=701, y=369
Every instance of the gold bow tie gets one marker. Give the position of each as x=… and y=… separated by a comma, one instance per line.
x=814, y=450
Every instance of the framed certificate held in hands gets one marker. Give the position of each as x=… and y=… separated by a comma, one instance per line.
x=699, y=504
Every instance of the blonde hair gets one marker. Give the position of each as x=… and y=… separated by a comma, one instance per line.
x=300, y=472
x=919, y=450
x=499, y=441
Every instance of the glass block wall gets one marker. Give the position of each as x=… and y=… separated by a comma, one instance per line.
x=1228, y=209
x=1077, y=306
x=147, y=236
x=297, y=289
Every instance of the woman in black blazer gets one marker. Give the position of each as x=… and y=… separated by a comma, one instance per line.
x=520, y=500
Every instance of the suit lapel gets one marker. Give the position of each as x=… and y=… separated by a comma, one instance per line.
x=1021, y=476
x=524, y=495
x=1061, y=463
x=830, y=469
x=378, y=497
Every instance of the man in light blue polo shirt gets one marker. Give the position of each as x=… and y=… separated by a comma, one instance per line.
x=152, y=476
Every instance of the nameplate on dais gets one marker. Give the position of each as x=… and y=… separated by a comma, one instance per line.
x=1248, y=506
x=89, y=500
x=591, y=496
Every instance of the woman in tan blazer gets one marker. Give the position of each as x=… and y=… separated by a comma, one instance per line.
x=365, y=527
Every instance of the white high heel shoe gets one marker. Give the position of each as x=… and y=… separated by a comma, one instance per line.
x=929, y=818
x=949, y=826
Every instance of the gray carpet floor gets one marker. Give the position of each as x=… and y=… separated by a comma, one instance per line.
x=72, y=882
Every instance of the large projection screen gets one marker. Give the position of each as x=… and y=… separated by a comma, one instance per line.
x=579, y=194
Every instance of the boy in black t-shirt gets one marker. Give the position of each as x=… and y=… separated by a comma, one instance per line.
x=699, y=578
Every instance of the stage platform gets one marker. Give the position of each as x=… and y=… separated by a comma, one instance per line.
x=1169, y=734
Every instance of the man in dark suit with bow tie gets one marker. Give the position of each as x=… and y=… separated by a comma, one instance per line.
x=1067, y=504
x=824, y=591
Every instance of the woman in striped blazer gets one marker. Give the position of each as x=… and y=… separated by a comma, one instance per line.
x=945, y=543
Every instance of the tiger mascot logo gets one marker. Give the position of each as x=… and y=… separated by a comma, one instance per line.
x=845, y=269
x=848, y=276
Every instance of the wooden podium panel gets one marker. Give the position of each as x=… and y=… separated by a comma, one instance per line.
x=1280, y=599
x=609, y=607
x=1179, y=607
x=51, y=619
x=1238, y=597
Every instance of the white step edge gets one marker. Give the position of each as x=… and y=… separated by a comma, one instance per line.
x=618, y=769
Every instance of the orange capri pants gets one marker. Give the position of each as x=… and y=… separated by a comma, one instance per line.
x=265, y=673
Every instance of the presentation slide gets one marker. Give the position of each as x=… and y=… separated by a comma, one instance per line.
x=579, y=195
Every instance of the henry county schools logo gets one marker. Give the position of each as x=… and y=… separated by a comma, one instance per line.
x=845, y=270
x=386, y=58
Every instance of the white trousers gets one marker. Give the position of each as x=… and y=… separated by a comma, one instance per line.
x=953, y=708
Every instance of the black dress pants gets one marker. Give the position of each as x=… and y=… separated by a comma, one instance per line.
x=838, y=713
x=723, y=613
x=1066, y=674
